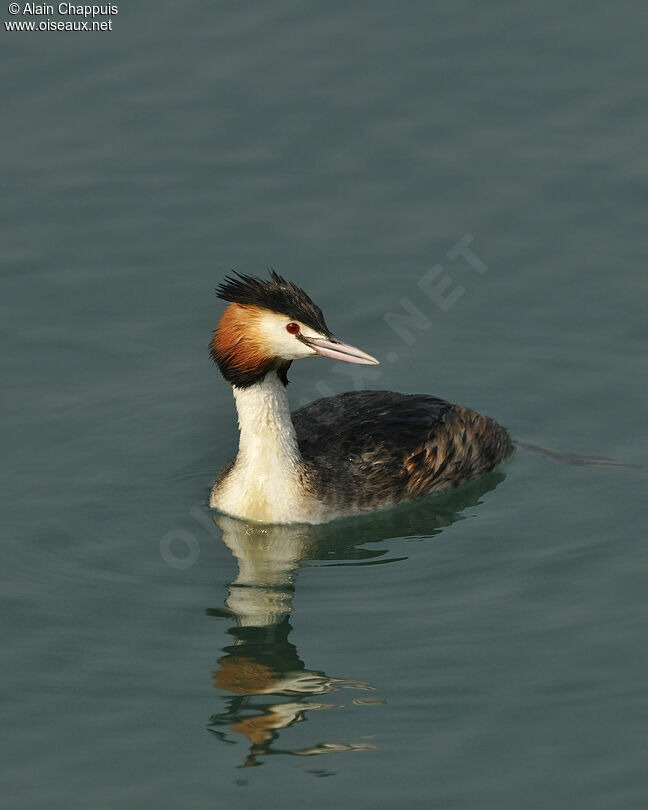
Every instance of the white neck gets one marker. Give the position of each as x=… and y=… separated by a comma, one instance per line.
x=265, y=483
x=267, y=437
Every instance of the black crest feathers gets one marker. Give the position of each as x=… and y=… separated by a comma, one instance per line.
x=275, y=294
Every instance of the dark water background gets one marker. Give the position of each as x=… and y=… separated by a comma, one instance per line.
x=498, y=658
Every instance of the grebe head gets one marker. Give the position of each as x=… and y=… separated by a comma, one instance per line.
x=268, y=324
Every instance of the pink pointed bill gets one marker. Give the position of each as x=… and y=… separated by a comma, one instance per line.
x=341, y=351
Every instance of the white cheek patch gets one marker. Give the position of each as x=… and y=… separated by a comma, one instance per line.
x=279, y=342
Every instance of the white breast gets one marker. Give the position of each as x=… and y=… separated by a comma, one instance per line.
x=265, y=483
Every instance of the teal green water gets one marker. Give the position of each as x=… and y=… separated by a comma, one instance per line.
x=486, y=649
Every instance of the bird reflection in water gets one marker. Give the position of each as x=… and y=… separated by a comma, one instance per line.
x=270, y=686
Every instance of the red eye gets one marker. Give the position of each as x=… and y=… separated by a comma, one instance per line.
x=292, y=327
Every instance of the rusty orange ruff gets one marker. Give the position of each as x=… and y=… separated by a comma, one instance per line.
x=238, y=341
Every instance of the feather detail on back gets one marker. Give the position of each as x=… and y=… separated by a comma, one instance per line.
x=367, y=449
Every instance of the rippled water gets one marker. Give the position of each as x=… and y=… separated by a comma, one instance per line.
x=481, y=649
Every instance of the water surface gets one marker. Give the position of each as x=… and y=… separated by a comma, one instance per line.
x=484, y=649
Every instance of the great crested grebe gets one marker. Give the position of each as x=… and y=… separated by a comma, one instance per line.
x=341, y=455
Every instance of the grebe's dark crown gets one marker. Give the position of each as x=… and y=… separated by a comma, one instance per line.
x=275, y=294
